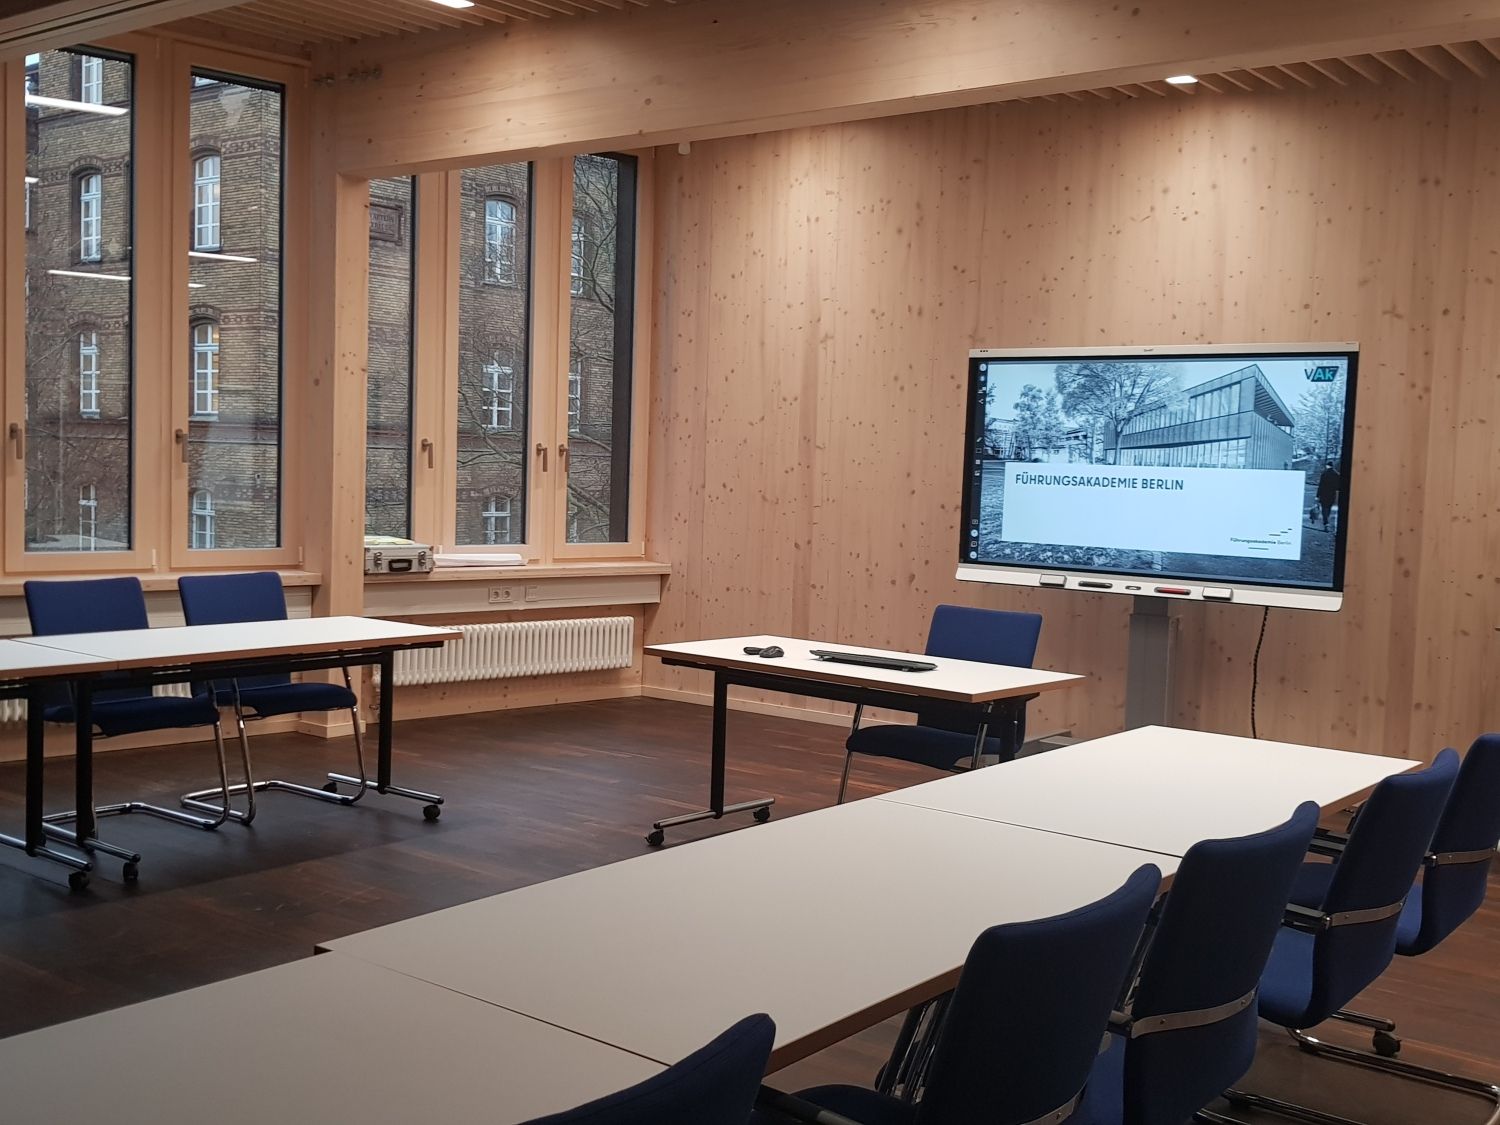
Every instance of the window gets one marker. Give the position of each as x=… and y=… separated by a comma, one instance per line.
x=499, y=394
x=234, y=454
x=88, y=375
x=78, y=424
x=206, y=369
x=601, y=342
x=580, y=249
x=388, y=399
x=88, y=517
x=496, y=517
x=500, y=241
x=494, y=353
x=575, y=393
x=90, y=217
x=90, y=79
x=203, y=520
x=206, y=202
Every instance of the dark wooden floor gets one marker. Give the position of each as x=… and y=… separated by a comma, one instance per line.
x=533, y=795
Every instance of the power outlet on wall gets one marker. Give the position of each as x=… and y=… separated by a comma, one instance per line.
x=499, y=595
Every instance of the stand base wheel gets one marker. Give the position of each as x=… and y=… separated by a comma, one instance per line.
x=657, y=838
x=78, y=880
x=331, y=787
x=131, y=872
x=432, y=812
x=763, y=815
x=1387, y=1046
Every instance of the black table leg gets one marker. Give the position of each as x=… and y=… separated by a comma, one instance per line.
x=760, y=806
x=35, y=842
x=385, y=725
x=83, y=761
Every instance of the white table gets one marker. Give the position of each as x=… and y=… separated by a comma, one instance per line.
x=149, y=657
x=1161, y=789
x=798, y=672
x=330, y=1040
x=830, y=922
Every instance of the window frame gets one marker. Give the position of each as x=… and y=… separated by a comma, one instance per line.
x=201, y=508
x=88, y=506
x=215, y=206
x=91, y=372
x=86, y=80
x=89, y=207
x=494, y=248
x=204, y=394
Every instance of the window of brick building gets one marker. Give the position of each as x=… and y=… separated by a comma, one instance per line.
x=76, y=437
x=206, y=234
x=496, y=518
x=234, y=429
x=88, y=375
x=500, y=240
x=494, y=354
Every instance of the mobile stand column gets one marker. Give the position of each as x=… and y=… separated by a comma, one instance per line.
x=1148, y=678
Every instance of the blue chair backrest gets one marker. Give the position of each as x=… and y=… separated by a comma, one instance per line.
x=1209, y=949
x=225, y=599
x=86, y=605
x=991, y=636
x=1452, y=892
x=1030, y=1010
x=715, y=1085
x=1378, y=868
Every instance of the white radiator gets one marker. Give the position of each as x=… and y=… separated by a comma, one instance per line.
x=14, y=710
x=500, y=650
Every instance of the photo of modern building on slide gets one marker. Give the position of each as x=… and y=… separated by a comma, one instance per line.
x=1195, y=414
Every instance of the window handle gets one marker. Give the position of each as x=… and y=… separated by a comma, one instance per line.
x=18, y=435
x=180, y=437
x=429, y=449
x=562, y=456
x=541, y=451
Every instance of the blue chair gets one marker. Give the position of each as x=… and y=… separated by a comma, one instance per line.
x=1022, y=1029
x=946, y=735
x=105, y=605
x=1188, y=1031
x=221, y=599
x=1455, y=877
x=715, y=1085
x=1330, y=950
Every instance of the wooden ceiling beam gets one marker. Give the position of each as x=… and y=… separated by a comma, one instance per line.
x=659, y=75
x=1396, y=62
x=1432, y=59
x=1230, y=78
x=1328, y=72
x=1470, y=57
x=1264, y=77
x=1492, y=46
x=1361, y=67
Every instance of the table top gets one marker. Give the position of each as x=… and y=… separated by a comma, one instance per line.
x=964, y=681
x=830, y=921
x=134, y=648
x=1161, y=789
x=329, y=1039
x=20, y=661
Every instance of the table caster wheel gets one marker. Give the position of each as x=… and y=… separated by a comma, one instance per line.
x=331, y=787
x=1387, y=1046
x=763, y=815
x=131, y=872
x=657, y=838
x=432, y=812
x=78, y=880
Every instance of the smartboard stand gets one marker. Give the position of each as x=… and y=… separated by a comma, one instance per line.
x=1148, y=676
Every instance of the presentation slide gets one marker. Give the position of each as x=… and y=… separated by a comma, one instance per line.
x=1227, y=467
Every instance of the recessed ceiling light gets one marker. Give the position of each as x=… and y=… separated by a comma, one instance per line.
x=79, y=107
x=215, y=256
x=455, y=3
x=98, y=276
x=1182, y=80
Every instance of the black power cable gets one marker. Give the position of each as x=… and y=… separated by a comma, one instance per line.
x=1255, y=669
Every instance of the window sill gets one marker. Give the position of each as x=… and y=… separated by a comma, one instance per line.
x=506, y=589
x=12, y=586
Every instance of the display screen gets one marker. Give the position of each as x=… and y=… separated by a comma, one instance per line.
x=1220, y=467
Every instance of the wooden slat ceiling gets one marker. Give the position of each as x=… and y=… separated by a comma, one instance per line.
x=1448, y=61
x=312, y=22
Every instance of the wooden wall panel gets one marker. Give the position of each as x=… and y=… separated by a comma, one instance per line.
x=818, y=289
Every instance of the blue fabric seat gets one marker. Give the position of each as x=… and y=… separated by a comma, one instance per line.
x=224, y=599
x=1334, y=946
x=715, y=1085
x=1189, y=1031
x=1023, y=1027
x=93, y=605
x=945, y=734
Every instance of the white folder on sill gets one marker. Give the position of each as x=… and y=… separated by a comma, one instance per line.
x=497, y=558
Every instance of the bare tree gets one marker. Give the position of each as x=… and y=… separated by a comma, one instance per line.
x=1038, y=424
x=1320, y=421
x=1110, y=393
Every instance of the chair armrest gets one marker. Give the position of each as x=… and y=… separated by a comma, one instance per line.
x=797, y=1109
x=1333, y=849
x=1304, y=918
x=1329, y=836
